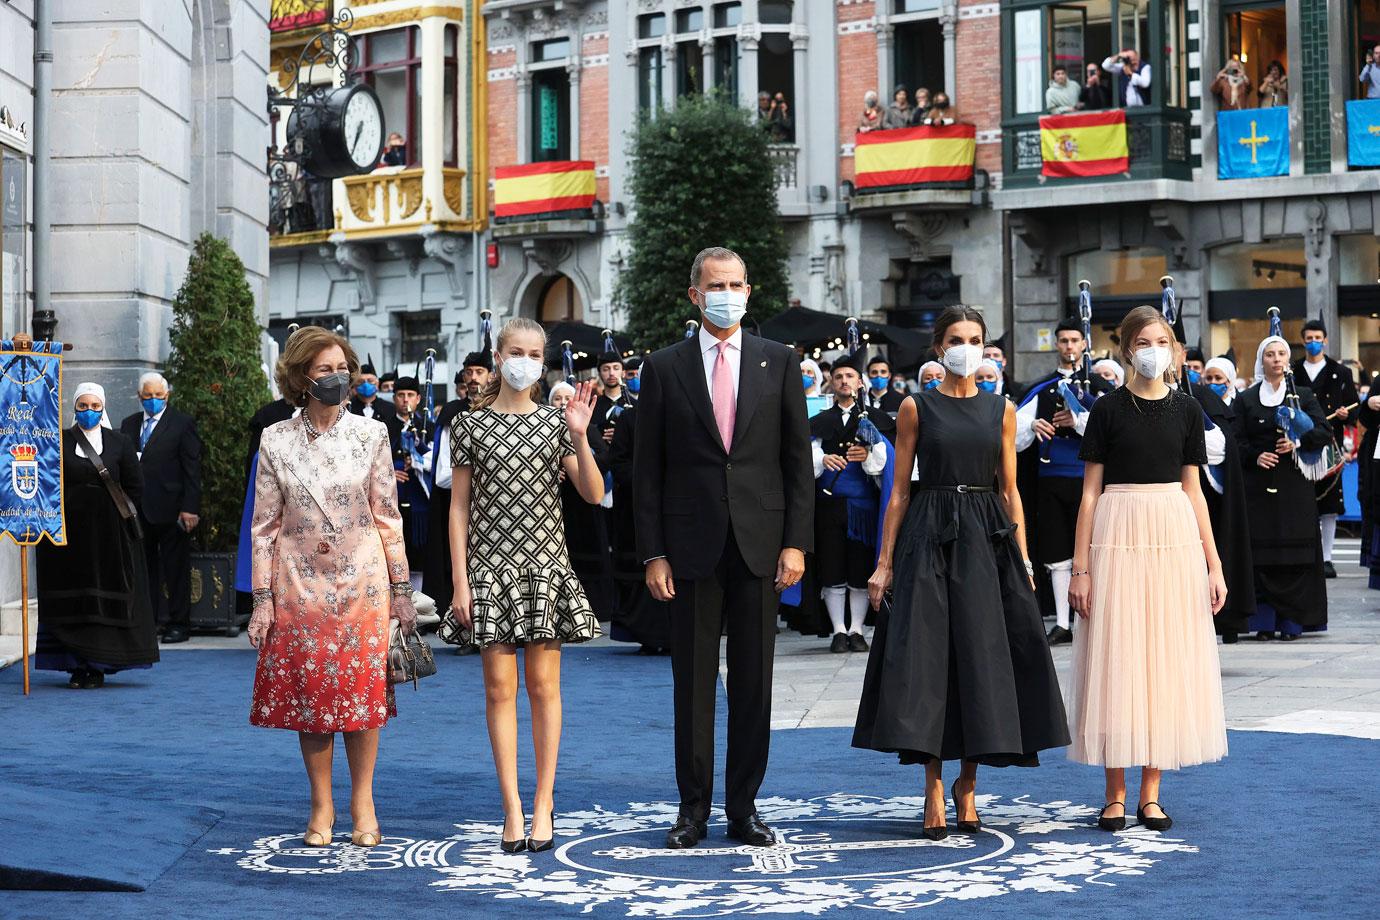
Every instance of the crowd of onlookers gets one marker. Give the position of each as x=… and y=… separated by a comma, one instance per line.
x=906, y=112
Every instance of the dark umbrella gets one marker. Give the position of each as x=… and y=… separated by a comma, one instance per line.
x=586, y=344
x=816, y=329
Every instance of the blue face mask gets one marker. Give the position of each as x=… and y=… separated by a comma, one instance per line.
x=879, y=383
x=634, y=384
x=367, y=388
x=932, y=384
x=1001, y=365
x=807, y=380
x=1313, y=348
x=153, y=405
x=987, y=386
x=1194, y=376
x=1219, y=388
x=88, y=418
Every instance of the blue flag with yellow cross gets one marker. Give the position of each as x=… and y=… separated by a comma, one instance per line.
x=1252, y=143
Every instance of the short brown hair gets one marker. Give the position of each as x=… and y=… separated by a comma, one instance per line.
x=300, y=353
x=716, y=253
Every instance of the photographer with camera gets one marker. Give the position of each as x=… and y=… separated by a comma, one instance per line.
x=1133, y=77
x=1095, y=94
x=1370, y=74
x=1232, y=86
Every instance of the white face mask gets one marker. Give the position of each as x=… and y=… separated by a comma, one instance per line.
x=724, y=309
x=521, y=372
x=962, y=360
x=1152, y=361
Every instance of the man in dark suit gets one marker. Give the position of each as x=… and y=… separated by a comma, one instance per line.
x=170, y=460
x=280, y=410
x=1332, y=383
x=724, y=505
x=366, y=402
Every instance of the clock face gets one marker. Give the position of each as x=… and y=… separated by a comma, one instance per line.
x=363, y=127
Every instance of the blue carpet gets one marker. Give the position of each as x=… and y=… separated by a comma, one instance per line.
x=1279, y=827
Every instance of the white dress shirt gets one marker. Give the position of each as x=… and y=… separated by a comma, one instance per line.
x=139, y=448
x=1025, y=419
x=733, y=354
x=876, y=457
x=1136, y=81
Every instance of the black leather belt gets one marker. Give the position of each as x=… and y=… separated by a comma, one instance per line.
x=959, y=488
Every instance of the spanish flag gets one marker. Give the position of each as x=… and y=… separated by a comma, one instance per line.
x=543, y=188
x=912, y=156
x=1084, y=144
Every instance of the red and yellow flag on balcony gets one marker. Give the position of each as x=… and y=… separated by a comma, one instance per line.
x=1084, y=144
x=913, y=156
x=543, y=188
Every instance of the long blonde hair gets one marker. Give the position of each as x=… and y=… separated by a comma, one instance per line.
x=514, y=326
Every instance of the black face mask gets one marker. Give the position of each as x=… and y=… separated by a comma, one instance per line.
x=942, y=104
x=330, y=389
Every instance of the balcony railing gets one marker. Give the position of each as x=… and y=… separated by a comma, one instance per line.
x=300, y=210
x=1156, y=141
x=785, y=162
x=395, y=201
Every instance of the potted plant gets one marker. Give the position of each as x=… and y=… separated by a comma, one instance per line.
x=215, y=373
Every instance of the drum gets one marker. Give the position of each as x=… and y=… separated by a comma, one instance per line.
x=1324, y=463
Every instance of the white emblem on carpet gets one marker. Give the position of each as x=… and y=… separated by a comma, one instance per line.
x=836, y=851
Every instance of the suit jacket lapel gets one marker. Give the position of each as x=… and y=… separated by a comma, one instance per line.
x=690, y=366
x=752, y=377
x=163, y=422
x=299, y=461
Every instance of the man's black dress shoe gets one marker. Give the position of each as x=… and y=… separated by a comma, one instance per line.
x=1329, y=570
x=174, y=634
x=685, y=833
x=856, y=643
x=752, y=831
x=1060, y=636
x=839, y=643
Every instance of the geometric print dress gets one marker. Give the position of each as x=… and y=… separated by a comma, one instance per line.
x=523, y=587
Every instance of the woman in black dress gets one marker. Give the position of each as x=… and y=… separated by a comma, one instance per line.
x=1291, y=596
x=93, y=593
x=959, y=667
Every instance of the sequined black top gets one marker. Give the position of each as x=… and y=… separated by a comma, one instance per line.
x=1144, y=440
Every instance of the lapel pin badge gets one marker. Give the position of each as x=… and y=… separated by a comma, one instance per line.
x=764, y=364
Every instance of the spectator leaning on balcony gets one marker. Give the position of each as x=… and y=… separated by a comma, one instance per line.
x=1274, y=89
x=1370, y=74
x=899, y=113
x=921, y=107
x=1095, y=94
x=872, y=114
x=940, y=112
x=1133, y=77
x=1062, y=95
x=395, y=152
x=1232, y=86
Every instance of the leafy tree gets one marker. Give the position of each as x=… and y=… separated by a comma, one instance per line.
x=701, y=176
x=216, y=378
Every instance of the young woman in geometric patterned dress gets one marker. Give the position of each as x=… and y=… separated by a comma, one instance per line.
x=513, y=582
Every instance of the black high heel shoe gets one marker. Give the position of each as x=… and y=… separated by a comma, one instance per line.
x=932, y=833
x=535, y=845
x=1112, y=824
x=967, y=827
x=1154, y=824
x=512, y=846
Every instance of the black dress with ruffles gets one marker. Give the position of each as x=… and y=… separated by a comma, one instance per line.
x=960, y=668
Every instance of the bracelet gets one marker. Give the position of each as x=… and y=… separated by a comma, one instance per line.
x=1029, y=568
x=401, y=589
x=262, y=595
x=1076, y=574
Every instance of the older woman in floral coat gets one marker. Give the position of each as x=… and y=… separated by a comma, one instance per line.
x=329, y=570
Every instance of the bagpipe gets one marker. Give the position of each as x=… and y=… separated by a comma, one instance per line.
x=1075, y=392
x=867, y=435
x=1293, y=423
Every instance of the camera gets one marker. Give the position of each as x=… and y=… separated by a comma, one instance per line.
x=1123, y=60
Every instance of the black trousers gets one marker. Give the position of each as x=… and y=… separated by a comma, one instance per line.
x=168, y=549
x=744, y=605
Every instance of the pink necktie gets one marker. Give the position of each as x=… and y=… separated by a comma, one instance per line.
x=725, y=402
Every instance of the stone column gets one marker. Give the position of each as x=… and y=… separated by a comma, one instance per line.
x=1323, y=265
x=885, y=34
x=948, y=22
x=572, y=69
x=747, y=71
x=668, y=72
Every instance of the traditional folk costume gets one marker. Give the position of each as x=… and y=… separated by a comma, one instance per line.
x=1334, y=388
x=1291, y=594
x=1368, y=481
x=412, y=453
x=1147, y=688
x=959, y=668
x=640, y=618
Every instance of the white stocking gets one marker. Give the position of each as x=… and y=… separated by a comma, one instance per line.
x=1060, y=574
x=857, y=606
x=835, y=601
x=1328, y=525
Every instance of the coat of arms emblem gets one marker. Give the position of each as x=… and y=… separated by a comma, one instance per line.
x=24, y=470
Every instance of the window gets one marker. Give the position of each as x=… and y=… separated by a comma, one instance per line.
x=919, y=60
x=550, y=129
x=1133, y=272
x=13, y=183
x=556, y=49
x=776, y=75
x=689, y=20
x=391, y=63
x=726, y=65
x=727, y=15
x=1175, y=78
x=774, y=12
x=1257, y=35
x=1365, y=37
x=420, y=331
x=1030, y=64
x=689, y=68
x=651, y=26
x=649, y=79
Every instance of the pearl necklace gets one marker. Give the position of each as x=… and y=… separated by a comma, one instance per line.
x=312, y=433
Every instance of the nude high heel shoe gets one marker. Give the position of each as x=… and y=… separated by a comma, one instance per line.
x=317, y=839
x=366, y=838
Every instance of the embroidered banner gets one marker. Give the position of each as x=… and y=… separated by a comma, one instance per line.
x=914, y=156
x=1363, y=132
x=1084, y=144
x=31, y=444
x=1253, y=142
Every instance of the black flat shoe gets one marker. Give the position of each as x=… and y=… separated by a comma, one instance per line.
x=1060, y=636
x=1329, y=570
x=1112, y=824
x=967, y=827
x=174, y=634
x=1230, y=638
x=78, y=680
x=752, y=831
x=94, y=680
x=513, y=846
x=1154, y=824
x=856, y=642
x=839, y=643
x=686, y=833
x=932, y=833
